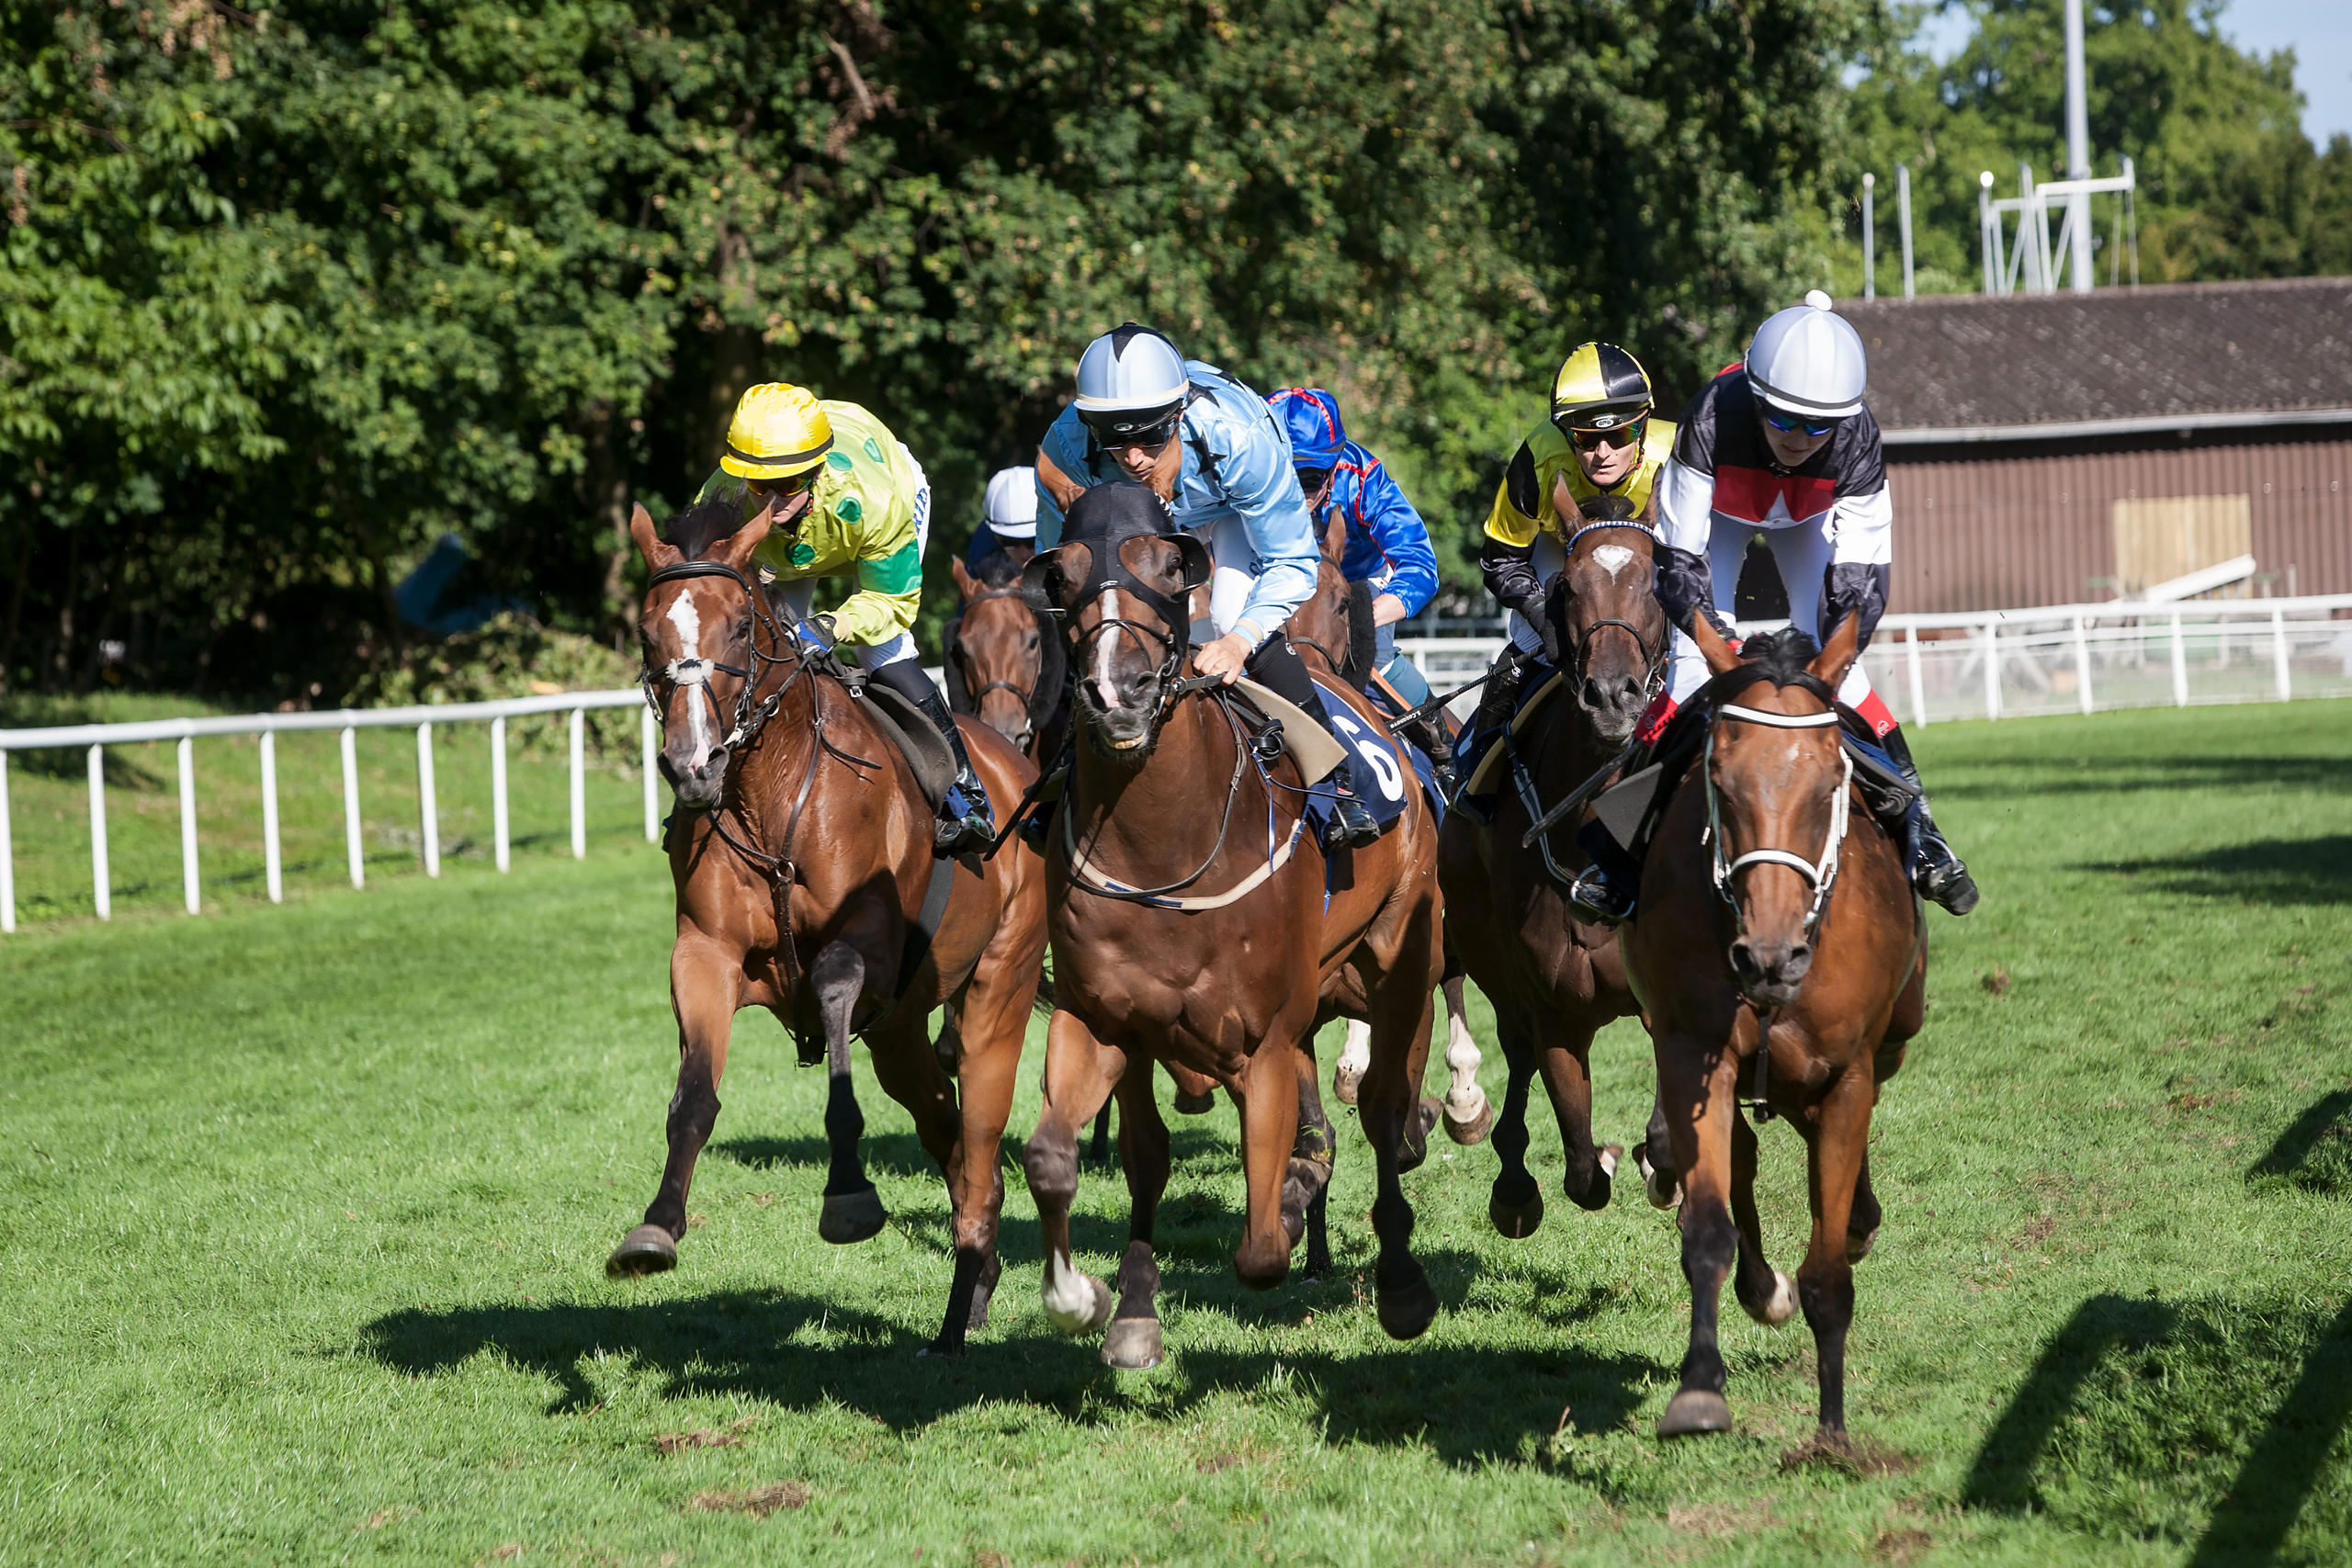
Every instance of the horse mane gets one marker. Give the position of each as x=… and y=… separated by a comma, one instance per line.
x=1000, y=567
x=702, y=525
x=1781, y=657
x=1363, y=649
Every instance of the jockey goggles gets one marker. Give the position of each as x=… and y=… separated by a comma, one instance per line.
x=1787, y=423
x=1619, y=436
x=1119, y=430
x=791, y=484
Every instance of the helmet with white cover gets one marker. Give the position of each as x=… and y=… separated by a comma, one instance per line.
x=1132, y=387
x=1012, y=504
x=1808, y=360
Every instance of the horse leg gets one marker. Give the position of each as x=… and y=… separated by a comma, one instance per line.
x=705, y=990
x=1516, y=1204
x=1765, y=1293
x=852, y=1211
x=1469, y=1115
x=1656, y=1156
x=1195, y=1092
x=1269, y=1132
x=1567, y=1081
x=1400, y=1022
x=1099, y=1151
x=1861, y=1230
x=1308, y=1180
x=1132, y=1339
x=1080, y=1073
x=1347, y=1078
x=1825, y=1278
x=1695, y=1087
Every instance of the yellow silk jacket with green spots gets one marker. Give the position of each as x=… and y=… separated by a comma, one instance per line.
x=861, y=518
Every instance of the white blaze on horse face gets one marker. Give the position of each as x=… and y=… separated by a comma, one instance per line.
x=1104, y=647
x=688, y=620
x=1613, y=558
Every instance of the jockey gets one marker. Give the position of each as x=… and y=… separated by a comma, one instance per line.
x=852, y=502
x=1210, y=449
x=1010, y=519
x=1781, y=442
x=1388, y=545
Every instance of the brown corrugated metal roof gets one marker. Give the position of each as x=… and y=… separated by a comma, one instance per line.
x=1962, y=363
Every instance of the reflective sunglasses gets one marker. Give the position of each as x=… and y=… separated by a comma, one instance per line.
x=1312, y=481
x=1785, y=422
x=791, y=484
x=1114, y=435
x=1594, y=440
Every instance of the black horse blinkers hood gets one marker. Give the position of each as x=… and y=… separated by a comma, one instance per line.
x=1104, y=519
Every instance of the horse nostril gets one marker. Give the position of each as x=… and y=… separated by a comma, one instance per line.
x=1743, y=961
x=1800, y=959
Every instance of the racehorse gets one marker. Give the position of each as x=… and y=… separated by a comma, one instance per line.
x=1186, y=927
x=1004, y=662
x=1772, y=911
x=802, y=858
x=1553, y=979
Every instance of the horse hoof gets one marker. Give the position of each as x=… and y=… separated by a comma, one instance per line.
x=1083, y=1317
x=1472, y=1128
x=1693, y=1411
x=1517, y=1220
x=647, y=1250
x=1407, y=1310
x=1432, y=1112
x=1195, y=1104
x=1659, y=1184
x=1345, y=1082
x=851, y=1217
x=1132, y=1344
x=1858, y=1244
x=1778, y=1308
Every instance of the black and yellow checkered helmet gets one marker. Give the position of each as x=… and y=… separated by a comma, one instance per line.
x=1599, y=387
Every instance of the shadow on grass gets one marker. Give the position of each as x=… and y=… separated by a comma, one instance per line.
x=2272, y=871
x=2100, y=775
x=2135, y=1421
x=2315, y=1151
x=1473, y=1406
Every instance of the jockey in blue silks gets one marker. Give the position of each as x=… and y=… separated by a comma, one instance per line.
x=1388, y=545
x=1212, y=451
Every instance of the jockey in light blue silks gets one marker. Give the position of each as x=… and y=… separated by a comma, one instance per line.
x=1210, y=449
x=1388, y=545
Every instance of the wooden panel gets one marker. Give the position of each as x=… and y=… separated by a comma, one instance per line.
x=2164, y=537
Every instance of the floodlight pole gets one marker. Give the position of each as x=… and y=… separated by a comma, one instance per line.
x=2078, y=155
x=1870, y=241
x=1903, y=219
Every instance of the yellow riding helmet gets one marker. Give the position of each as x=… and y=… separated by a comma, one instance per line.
x=1599, y=387
x=779, y=429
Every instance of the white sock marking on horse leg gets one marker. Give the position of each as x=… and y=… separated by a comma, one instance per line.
x=1356, y=1054
x=1463, y=1097
x=1102, y=651
x=1069, y=1296
x=688, y=620
x=1613, y=558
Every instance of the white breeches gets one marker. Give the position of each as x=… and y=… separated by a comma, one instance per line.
x=1802, y=554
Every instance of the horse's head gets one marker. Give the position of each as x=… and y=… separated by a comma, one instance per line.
x=696, y=632
x=1336, y=619
x=1604, y=604
x=1119, y=581
x=1005, y=657
x=1776, y=779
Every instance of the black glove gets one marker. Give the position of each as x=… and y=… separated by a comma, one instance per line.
x=818, y=629
x=1536, y=614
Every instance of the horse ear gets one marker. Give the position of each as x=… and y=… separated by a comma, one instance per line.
x=1564, y=501
x=751, y=535
x=1335, y=537
x=1192, y=559
x=1837, y=654
x=965, y=585
x=1041, y=581
x=1719, y=654
x=657, y=554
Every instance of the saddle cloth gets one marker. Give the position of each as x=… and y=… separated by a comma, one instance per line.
x=1377, y=771
x=924, y=747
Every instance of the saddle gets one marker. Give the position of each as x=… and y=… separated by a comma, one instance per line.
x=924, y=747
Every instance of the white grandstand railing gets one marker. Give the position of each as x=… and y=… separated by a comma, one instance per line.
x=2001, y=663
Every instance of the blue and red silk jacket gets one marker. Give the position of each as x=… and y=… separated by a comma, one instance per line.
x=1388, y=545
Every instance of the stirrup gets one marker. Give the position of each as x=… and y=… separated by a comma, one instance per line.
x=1941, y=877
x=1351, y=826
x=1598, y=899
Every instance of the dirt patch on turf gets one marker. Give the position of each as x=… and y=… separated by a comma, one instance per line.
x=1859, y=1458
x=1902, y=1546
x=1718, y=1521
x=725, y=1437
x=759, y=1502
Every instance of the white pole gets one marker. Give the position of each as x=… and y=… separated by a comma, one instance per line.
x=1988, y=232
x=2078, y=154
x=8, y=856
x=1918, y=685
x=653, y=811
x=191, y=894
x=579, y=786
x=1992, y=671
x=1903, y=219
x=2083, y=663
x=351, y=807
x=498, y=789
x=272, y=869
x=1870, y=240
x=428, y=801
x=2179, y=665
x=2278, y=661
x=102, y=895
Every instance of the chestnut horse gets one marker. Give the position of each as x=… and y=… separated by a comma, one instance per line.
x=802, y=856
x=1188, y=907
x=1554, y=980
x=1774, y=909
x=1004, y=661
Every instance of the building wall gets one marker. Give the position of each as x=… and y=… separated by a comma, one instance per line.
x=1980, y=527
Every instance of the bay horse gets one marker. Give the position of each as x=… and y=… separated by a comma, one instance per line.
x=1553, y=979
x=1004, y=661
x=801, y=853
x=1186, y=928
x=1778, y=949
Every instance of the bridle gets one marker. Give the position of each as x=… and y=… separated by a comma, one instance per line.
x=1027, y=695
x=1654, y=660
x=1821, y=874
x=688, y=674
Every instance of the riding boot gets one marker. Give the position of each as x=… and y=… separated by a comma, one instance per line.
x=976, y=829
x=1605, y=892
x=1275, y=666
x=1936, y=871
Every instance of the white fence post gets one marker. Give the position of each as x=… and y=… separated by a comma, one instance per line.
x=652, y=811
x=2083, y=663
x=191, y=891
x=428, y=801
x=101, y=894
x=2279, y=654
x=2179, y=665
x=578, y=785
x=273, y=868
x=1992, y=671
x=8, y=856
x=351, y=807
x=1918, y=685
x=498, y=790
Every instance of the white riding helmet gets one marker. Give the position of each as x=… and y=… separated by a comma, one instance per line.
x=1808, y=360
x=1012, y=504
x=1130, y=381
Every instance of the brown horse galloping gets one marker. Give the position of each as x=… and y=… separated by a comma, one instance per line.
x=802, y=856
x=1188, y=918
x=1773, y=909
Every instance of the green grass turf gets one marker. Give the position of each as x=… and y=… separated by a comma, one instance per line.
x=309, y=1206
